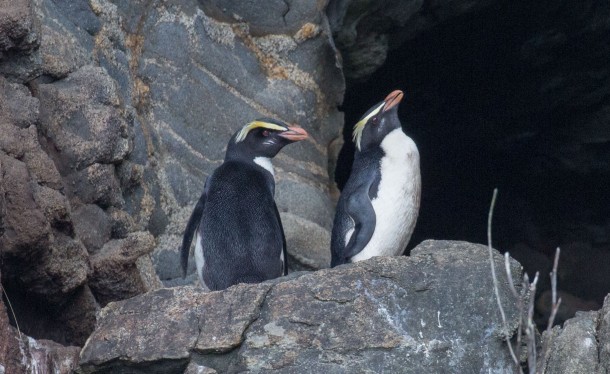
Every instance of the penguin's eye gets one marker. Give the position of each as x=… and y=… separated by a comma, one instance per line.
x=265, y=133
x=375, y=120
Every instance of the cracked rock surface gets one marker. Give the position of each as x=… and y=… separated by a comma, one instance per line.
x=431, y=312
x=113, y=113
x=582, y=345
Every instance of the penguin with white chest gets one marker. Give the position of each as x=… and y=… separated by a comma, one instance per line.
x=379, y=204
x=240, y=238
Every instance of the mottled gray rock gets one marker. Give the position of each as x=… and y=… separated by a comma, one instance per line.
x=603, y=336
x=116, y=274
x=276, y=17
x=19, y=105
x=176, y=320
x=121, y=223
x=19, y=29
x=63, y=46
x=75, y=321
x=58, y=155
x=574, y=349
x=310, y=243
x=33, y=222
x=95, y=184
x=582, y=345
x=43, y=263
x=432, y=312
x=46, y=356
x=183, y=93
x=80, y=115
x=24, y=225
x=92, y=226
x=80, y=13
x=111, y=116
x=194, y=368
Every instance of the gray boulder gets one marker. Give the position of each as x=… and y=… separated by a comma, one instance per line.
x=431, y=312
x=120, y=269
x=582, y=345
x=19, y=28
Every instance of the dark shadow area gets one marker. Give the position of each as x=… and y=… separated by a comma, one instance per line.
x=481, y=106
x=65, y=324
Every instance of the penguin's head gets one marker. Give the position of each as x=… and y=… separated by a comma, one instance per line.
x=377, y=122
x=264, y=137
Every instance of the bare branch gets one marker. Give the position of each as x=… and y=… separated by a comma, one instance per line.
x=554, y=276
x=546, y=346
x=519, y=299
x=495, y=280
x=511, y=282
x=530, y=330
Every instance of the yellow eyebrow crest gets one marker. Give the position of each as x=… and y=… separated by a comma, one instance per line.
x=359, y=126
x=256, y=124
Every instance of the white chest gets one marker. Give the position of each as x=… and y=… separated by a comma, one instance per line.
x=265, y=163
x=397, y=203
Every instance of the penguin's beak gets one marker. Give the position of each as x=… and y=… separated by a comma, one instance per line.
x=294, y=133
x=392, y=100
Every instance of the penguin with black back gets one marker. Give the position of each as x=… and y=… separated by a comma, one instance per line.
x=379, y=204
x=240, y=238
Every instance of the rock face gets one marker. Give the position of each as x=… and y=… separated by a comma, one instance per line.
x=432, y=312
x=200, y=71
x=111, y=116
x=60, y=147
x=20, y=354
x=582, y=345
x=19, y=29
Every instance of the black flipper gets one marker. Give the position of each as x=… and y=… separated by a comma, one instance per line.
x=191, y=227
x=279, y=220
x=360, y=209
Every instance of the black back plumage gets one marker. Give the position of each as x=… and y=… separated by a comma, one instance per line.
x=359, y=190
x=241, y=227
x=239, y=230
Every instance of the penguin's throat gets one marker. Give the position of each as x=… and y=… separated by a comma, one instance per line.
x=265, y=163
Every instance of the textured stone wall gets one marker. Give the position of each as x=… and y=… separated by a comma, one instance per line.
x=112, y=114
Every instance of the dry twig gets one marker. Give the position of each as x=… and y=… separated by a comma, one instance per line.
x=555, y=302
x=495, y=280
x=526, y=317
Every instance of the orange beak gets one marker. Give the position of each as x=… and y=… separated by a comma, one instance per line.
x=294, y=133
x=392, y=100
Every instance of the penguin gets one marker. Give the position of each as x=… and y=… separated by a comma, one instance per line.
x=378, y=207
x=239, y=234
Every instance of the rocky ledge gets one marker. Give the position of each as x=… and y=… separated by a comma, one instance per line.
x=431, y=312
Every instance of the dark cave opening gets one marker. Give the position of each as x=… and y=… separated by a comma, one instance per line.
x=481, y=105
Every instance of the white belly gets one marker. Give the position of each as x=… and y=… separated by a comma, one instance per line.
x=397, y=203
x=199, y=259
